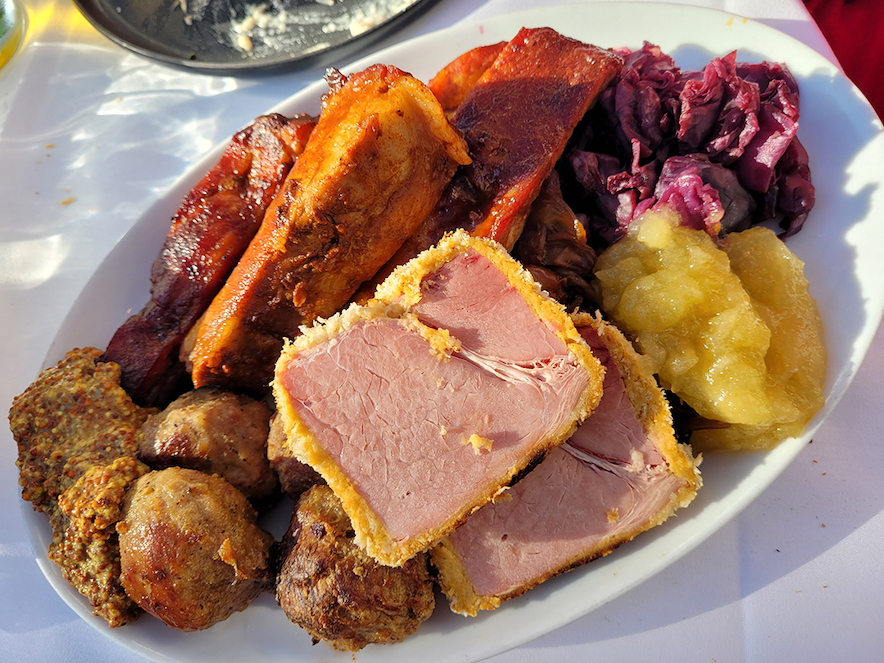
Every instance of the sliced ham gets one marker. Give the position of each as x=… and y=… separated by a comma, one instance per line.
x=621, y=473
x=423, y=405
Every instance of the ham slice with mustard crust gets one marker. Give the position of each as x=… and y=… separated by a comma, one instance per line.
x=621, y=473
x=424, y=404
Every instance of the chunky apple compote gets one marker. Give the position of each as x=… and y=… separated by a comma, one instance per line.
x=727, y=327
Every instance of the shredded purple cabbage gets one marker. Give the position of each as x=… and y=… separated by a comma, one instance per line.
x=719, y=145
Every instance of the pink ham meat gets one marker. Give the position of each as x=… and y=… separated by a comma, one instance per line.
x=621, y=473
x=422, y=406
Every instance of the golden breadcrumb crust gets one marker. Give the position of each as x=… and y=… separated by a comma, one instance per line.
x=393, y=299
x=652, y=410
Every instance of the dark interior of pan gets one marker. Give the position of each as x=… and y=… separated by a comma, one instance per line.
x=241, y=36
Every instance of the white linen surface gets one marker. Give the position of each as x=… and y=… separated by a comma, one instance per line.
x=796, y=577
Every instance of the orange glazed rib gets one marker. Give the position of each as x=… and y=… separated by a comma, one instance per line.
x=373, y=169
x=516, y=120
x=454, y=81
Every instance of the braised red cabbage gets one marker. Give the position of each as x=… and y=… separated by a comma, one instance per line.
x=719, y=144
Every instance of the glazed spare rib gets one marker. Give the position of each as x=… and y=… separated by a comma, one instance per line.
x=455, y=80
x=517, y=116
x=426, y=403
x=209, y=233
x=621, y=473
x=375, y=164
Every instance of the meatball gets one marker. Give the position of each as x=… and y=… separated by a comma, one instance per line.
x=77, y=433
x=216, y=432
x=75, y=416
x=334, y=590
x=190, y=550
x=295, y=477
x=85, y=544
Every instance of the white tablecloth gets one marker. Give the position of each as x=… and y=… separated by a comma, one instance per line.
x=796, y=577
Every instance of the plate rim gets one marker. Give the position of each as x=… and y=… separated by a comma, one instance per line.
x=789, y=450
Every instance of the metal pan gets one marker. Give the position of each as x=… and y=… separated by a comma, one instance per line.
x=241, y=36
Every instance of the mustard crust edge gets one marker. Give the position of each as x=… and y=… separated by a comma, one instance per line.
x=393, y=299
x=652, y=409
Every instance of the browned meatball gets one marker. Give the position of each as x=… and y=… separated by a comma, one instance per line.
x=295, y=477
x=335, y=591
x=190, y=551
x=216, y=432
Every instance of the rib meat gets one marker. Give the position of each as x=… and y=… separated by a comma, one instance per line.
x=374, y=167
x=455, y=80
x=516, y=120
x=209, y=233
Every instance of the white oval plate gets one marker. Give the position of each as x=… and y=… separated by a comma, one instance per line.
x=839, y=244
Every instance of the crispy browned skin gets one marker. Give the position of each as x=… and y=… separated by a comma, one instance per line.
x=516, y=120
x=373, y=169
x=209, y=233
x=190, y=551
x=457, y=78
x=334, y=590
x=217, y=432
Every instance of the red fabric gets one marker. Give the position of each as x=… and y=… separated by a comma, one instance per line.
x=855, y=31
